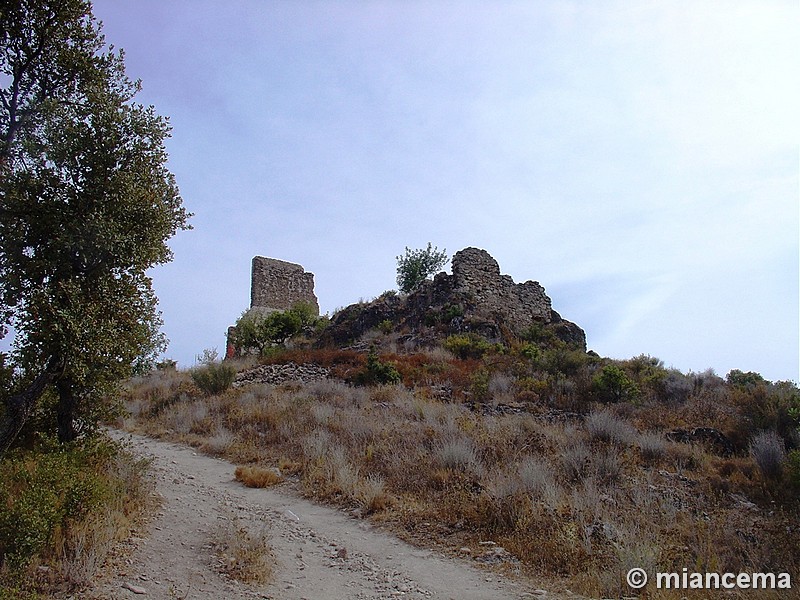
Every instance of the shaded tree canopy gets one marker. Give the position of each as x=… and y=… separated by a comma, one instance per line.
x=87, y=205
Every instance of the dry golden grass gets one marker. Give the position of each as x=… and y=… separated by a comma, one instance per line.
x=242, y=554
x=577, y=497
x=257, y=477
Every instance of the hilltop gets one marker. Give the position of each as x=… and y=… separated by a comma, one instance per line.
x=469, y=411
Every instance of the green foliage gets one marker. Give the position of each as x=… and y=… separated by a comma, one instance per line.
x=562, y=361
x=612, y=384
x=377, y=372
x=744, y=380
x=386, y=326
x=45, y=492
x=452, y=311
x=479, y=385
x=470, y=345
x=530, y=351
x=793, y=468
x=259, y=331
x=417, y=265
x=87, y=206
x=539, y=333
x=213, y=378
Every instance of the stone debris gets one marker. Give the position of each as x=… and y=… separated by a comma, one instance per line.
x=278, y=374
x=495, y=555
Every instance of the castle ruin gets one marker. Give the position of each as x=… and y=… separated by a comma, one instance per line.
x=279, y=285
x=275, y=285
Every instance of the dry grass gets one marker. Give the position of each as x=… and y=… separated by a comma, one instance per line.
x=243, y=554
x=257, y=477
x=574, y=497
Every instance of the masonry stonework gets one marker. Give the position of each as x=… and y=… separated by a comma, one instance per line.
x=476, y=278
x=476, y=298
x=279, y=285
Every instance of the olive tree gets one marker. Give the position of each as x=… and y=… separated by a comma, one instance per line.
x=87, y=205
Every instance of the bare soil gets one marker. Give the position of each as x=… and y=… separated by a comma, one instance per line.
x=319, y=552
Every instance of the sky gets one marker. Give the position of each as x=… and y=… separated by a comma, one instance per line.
x=640, y=159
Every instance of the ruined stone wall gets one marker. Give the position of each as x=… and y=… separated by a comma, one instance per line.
x=477, y=277
x=279, y=285
x=476, y=298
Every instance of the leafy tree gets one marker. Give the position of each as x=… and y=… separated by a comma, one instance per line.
x=417, y=265
x=259, y=331
x=86, y=207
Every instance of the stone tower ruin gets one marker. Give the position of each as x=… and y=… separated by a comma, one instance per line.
x=279, y=285
x=275, y=285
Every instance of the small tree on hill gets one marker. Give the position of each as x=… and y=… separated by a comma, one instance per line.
x=417, y=265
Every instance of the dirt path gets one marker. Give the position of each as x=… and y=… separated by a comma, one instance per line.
x=321, y=553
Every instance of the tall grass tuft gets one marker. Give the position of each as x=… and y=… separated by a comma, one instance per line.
x=769, y=454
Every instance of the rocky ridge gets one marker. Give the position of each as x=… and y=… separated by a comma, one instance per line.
x=475, y=298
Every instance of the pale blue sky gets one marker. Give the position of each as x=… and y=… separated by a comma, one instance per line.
x=637, y=158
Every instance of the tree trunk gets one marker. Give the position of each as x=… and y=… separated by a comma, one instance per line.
x=65, y=411
x=19, y=407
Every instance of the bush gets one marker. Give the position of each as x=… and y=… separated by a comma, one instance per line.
x=768, y=453
x=607, y=427
x=260, y=331
x=468, y=345
x=652, y=446
x=257, y=477
x=793, y=468
x=213, y=378
x=747, y=380
x=675, y=387
x=377, y=372
x=613, y=385
x=417, y=265
x=48, y=493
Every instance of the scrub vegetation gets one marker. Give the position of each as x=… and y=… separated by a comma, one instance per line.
x=580, y=467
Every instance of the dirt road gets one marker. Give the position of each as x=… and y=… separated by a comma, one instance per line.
x=320, y=553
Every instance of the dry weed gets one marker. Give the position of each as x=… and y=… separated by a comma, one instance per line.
x=243, y=555
x=257, y=477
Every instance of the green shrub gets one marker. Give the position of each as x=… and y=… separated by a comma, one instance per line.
x=259, y=331
x=741, y=379
x=468, y=345
x=377, y=372
x=43, y=492
x=452, y=311
x=793, y=468
x=539, y=333
x=213, y=378
x=611, y=384
x=530, y=351
x=561, y=360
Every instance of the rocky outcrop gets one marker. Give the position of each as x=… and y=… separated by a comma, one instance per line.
x=476, y=298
